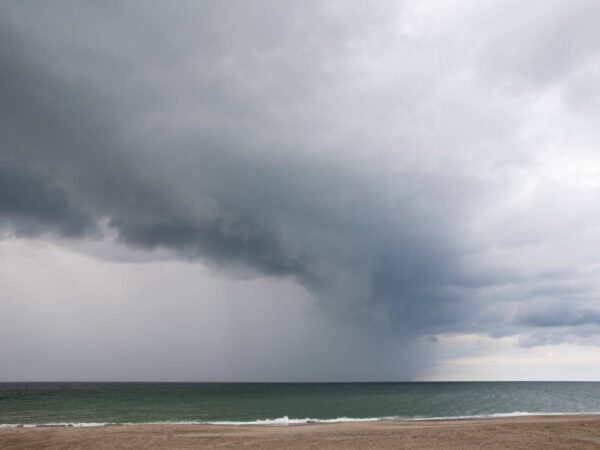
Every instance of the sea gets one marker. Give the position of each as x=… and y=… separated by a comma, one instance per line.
x=97, y=404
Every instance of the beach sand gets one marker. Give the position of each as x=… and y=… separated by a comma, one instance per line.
x=532, y=432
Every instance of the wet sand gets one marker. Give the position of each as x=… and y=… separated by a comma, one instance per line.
x=531, y=433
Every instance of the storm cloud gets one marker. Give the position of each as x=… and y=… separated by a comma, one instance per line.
x=420, y=169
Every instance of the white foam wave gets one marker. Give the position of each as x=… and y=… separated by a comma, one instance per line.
x=285, y=420
x=280, y=421
x=54, y=425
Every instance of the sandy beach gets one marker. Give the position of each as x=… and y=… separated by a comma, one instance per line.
x=539, y=432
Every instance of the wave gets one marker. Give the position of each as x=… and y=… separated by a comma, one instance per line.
x=285, y=420
x=55, y=425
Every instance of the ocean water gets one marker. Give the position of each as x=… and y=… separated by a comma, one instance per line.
x=88, y=404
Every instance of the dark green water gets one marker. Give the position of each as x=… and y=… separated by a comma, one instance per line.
x=93, y=403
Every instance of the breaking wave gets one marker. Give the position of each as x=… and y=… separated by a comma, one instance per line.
x=285, y=420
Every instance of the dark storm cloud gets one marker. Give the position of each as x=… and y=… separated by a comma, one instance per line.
x=46, y=126
x=240, y=241
x=314, y=142
x=33, y=205
x=280, y=216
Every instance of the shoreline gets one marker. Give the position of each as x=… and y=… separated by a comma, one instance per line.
x=531, y=432
x=287, y=422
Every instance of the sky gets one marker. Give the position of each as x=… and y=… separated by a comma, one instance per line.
x=299, y=191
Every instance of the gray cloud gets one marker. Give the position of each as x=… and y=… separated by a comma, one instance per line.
x=363, y=153
x=33, y=205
